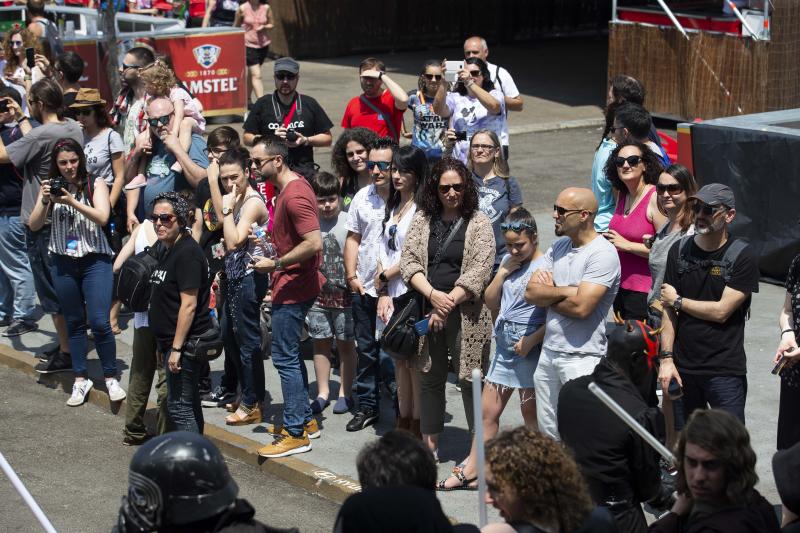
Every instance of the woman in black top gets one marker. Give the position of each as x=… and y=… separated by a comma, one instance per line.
x=179, y=307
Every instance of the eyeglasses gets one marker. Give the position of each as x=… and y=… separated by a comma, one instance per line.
x=17, y=44
x=162, y=120
x=516, y=227
x=632, y=160
x=475, y=73
x=261, y=162
x=479, y=147
x=672, y=188
x=83, y=112
x=458, y=187
x=285, y=76
x=166, y=219
x=392, y=244
x=383, y=166
x=563, y=210
x=706, y=210
x=433, y=77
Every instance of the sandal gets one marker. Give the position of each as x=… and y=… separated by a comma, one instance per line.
x=463, y=485
x=459, y=468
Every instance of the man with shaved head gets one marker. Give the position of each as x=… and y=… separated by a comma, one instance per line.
x=476, y=47
x=577, y=285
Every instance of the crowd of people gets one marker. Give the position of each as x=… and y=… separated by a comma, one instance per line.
x=435, y=231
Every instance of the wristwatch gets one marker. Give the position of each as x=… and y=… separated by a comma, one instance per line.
x=382, y=276
x=278, y=265
x=678, y=303
x=226, y=211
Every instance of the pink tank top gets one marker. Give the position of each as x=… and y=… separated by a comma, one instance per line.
x=635, y=274
x=252, y=21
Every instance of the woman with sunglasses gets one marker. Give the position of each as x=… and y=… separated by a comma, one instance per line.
x=474, y=105
x=409, y=170
x=179, y=307
x=82, y=273
x=429, y=128
x=498, y=193
x=452, y=279
x=349, y=160
x=16, y=69
x=633, y=171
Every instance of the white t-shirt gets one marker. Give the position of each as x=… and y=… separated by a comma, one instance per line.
x=507, y=87
x=391, y=257
x=365, y=217
x=596, y=262
x=99, y=151
x=468, y=114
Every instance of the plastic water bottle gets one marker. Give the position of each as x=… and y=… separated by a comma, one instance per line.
x=115, y=238
x=264, y=246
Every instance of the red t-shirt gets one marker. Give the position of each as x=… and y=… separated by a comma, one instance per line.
x=358, y=114
x=295, y=215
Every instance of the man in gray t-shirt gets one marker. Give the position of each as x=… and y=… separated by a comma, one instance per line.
x=578, y=286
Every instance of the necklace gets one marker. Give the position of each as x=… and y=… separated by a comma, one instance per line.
x=399, y=215
x=633, y=201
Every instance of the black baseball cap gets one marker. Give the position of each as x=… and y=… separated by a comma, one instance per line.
x=286, y=64
x=786, y=468
x=716, y=194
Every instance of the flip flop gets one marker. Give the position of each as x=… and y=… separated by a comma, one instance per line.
x=464, y=483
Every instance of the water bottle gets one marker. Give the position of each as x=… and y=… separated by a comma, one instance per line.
x=264, y=246
x=115, y=238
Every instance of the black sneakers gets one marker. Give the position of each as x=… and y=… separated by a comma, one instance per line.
x=362, y=419
x=18, y=327
x=58, y=362
x=218, y=397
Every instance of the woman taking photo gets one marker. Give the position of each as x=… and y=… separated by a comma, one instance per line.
x=179, y=307
x=349, y=160
x=242, y=206
x=255, y=17
x=633, y=171
x=82, y=273
x=474, y=105
x=16, y=69
x=447, y=258
x=498, y=193
x=409, y=170
x=429, y=128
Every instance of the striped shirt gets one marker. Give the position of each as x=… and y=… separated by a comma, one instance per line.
x=73, y=234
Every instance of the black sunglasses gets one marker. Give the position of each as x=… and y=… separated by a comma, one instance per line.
x=162, y=120
x=458, y=187
x=392, y=244
x=704, y=209
x=383, y=166
x=165, y=218
x=672, y=188
x=285, y=76
x=632, y=160
x=433, y=77
x=516, y=227
x=563, y=210
x=83, y=111
x=126, y=67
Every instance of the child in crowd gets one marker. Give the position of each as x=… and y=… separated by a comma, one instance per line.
x=331, y=316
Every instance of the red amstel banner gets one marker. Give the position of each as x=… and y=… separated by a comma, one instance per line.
x=213, y=67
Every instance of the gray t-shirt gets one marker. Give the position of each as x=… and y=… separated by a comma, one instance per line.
x=658, y=258
x=99, y=151
x=31, y=153
x=161, y=177
x=596, y=262
x=496, y=197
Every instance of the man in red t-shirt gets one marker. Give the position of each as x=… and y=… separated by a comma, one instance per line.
x=377, y=109
x=296, y=283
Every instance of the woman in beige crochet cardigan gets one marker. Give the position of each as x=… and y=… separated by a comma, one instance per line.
x=460, y=325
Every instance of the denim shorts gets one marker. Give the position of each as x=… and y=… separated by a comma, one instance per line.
x=507, y=368
x=329, y=323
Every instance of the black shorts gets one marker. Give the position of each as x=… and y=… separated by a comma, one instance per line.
x=255, y=56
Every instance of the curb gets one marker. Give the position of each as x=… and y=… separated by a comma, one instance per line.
x=299, y=473
x=554, y=126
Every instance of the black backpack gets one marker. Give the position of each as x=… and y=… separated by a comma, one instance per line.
x=133, y=280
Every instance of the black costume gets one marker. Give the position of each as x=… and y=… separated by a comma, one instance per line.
x=756, y=516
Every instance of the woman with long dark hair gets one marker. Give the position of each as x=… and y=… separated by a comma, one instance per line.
x=82, y=273
x=409, y=170
x=349, y=161
x=429, y=128
x=447, y=258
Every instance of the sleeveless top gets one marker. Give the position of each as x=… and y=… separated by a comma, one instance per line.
x=251, y=21
x=73, y=234
x=140, y=319
x=237, y=262
x=635, y=271
x=224, y=12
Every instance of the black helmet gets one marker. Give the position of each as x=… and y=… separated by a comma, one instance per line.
x=633, y=348
x=177, y=478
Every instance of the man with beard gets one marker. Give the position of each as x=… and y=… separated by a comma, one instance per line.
x=578, y=286
x=128, y=110
x=297, y=119
x=377, y=109
x=706, y=296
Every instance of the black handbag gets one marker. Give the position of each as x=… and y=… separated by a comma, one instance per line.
x=207, y=346
x=400, y=339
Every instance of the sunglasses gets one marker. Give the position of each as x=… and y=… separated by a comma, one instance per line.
x=285, y=76
x=165, y=219
x=485, y=147
x=475, y=73
x=563, y=210
x=261, y=162
x=16, y=44
x=700, y=208
x=126, y=67
x=516, y=227
x=672, y=188
x=162, y=120
x=458, y=187
x=213, y=152
x=392, y=244
x=433, y=77
x=383, y=166
x=83, y=112
x=632, y=160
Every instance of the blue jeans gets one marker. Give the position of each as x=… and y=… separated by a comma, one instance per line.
x=371, y=364
x=87, y=282
x=183, y=393
x=728, y=393
x=287, y=324
x=16, y=280
x=41, y=262
x=241, y=330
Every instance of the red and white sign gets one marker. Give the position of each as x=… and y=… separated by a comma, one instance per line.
x=212, y=65
x=94, y=70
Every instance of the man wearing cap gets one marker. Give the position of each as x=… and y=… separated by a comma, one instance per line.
x=706, y=296
x=376, y=109
x=299, y=120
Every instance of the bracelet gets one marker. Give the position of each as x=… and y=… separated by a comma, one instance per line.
x=787, y=331
x=431, y=294
x=351, y=278
x=45, y=202
x=665, y=355
x=174, y=349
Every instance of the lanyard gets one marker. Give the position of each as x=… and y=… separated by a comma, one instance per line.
x=288, y=118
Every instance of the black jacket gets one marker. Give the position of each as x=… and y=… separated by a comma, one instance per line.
x=757, y=516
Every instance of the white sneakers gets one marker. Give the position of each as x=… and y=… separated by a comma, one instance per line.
x=115, y=392
x=80, y=389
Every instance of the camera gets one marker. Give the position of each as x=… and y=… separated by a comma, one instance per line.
x=291, y=135
x=57, y=186
x=461, y=135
